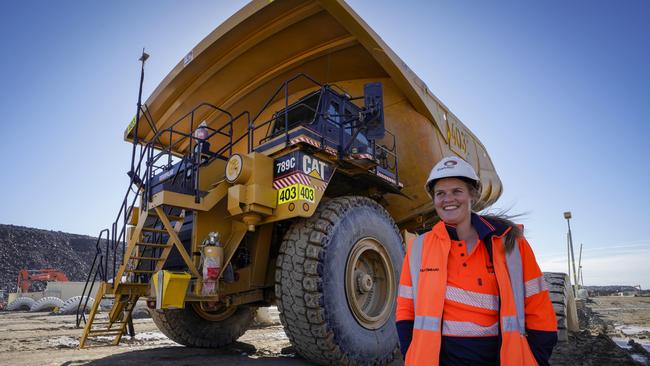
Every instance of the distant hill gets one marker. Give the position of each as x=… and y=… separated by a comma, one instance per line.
x=24, y=247
x=613, y=288
x=610, y=290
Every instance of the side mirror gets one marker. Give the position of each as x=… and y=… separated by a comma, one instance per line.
x=373, y=97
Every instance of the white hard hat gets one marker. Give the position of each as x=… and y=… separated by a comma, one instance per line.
x=451, y=166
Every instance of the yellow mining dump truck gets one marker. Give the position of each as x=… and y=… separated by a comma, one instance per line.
x=281, y=162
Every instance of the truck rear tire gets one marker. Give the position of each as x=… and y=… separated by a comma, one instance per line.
x=193, y=327
x=561, y=293
x=336, y=283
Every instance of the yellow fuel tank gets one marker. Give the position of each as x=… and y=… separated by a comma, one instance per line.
x=242, y=62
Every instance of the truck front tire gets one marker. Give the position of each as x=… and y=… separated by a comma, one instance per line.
x=336, y=283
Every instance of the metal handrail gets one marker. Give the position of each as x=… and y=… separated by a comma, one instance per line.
x=284, y=87
x=139, y=179
x=101, y=260
x=288, y=109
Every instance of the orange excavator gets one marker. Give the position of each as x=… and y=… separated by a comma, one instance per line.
x=27, y=278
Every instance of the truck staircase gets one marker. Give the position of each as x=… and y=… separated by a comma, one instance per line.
x=148, y=248
x=127, y=256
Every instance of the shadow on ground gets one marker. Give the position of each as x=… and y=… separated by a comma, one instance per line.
x=236, y=354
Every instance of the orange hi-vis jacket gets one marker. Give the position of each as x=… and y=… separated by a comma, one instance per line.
x=523, y=303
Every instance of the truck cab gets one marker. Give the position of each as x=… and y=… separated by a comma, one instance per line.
x=349, y=131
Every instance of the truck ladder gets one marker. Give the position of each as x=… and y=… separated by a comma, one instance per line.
x=148, y=248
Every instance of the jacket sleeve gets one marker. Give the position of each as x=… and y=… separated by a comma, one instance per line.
x=541, y=325
x=405, y=313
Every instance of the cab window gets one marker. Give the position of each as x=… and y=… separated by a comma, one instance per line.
x=349, y=114
x=301, y=112
x=333, y=114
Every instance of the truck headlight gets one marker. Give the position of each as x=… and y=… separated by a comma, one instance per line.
x=236, y=169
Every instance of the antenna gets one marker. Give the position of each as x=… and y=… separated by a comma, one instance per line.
x=142, y=59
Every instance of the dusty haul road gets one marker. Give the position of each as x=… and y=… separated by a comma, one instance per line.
x=42, y=339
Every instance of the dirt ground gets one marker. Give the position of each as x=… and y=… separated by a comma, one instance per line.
x=629, y=317
x=43, y=339
x=614, y=332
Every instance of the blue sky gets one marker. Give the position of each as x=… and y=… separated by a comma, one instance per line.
x=557, y=91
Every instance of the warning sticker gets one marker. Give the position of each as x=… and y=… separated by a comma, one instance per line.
x=296, y=192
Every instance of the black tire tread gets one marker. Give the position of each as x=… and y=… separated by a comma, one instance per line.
x=185, y=327
x=298, y=278
x=559, y=288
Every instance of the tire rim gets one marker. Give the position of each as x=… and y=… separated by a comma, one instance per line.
x=370, y=283
x=222, y=313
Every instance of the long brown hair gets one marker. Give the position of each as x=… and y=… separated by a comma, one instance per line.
x=501, y=218
x=513, y=233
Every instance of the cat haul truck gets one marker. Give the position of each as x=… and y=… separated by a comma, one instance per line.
x=281, y=162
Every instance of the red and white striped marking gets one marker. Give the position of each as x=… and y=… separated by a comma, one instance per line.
x=312, y=142
x=320, y=187
x=385, y=177
x=296, y=178
x=361, y=156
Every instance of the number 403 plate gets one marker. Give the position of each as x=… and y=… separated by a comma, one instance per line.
x=296, y=192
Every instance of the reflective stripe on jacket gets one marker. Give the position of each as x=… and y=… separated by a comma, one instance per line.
x=423, y=288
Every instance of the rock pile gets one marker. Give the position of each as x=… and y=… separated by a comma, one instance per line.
x=23, y=247
x=588, y=349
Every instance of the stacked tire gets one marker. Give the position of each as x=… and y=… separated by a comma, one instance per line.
x=21, y=304
x=48, y=303
x=564, y=304
x=70, y=306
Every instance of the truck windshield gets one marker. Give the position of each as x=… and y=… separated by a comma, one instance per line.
x=301, y=112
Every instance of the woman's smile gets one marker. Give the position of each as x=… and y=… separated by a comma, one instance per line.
x=452, y=200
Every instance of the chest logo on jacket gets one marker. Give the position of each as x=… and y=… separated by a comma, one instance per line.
x=429, y=269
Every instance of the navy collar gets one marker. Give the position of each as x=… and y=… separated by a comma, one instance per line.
x=483, y=227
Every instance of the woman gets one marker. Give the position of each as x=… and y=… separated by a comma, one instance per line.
x=471, y=292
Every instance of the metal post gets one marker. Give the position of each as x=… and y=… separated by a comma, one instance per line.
x=286, y=112
x=573, y=259
x=142, y=59
x=580, y=284
x=568, y=256
x=249, y=137
x=567, y=216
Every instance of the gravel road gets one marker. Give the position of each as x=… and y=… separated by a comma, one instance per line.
x=42, y=339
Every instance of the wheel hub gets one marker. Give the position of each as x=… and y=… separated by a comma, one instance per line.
x=364, y=282
x=216, y=315
x=370, y=283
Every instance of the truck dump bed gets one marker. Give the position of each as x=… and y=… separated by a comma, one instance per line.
x=242, y=62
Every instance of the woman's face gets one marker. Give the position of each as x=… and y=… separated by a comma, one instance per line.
x=452, y=200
